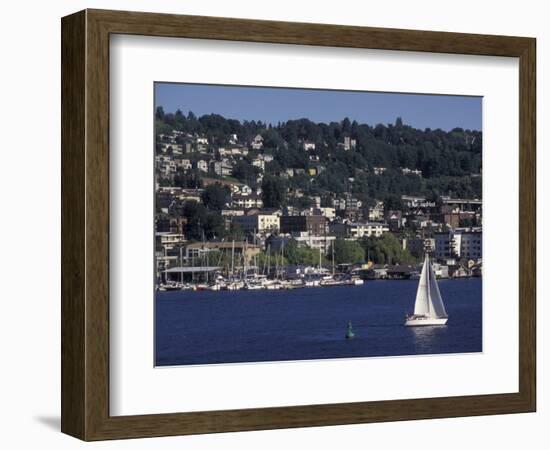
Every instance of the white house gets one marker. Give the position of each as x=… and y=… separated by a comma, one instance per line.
x=185, y=164
x=223, y=168
x=202, y=165
x=358, y=230
x=257, y=143
x=259, y=163
x=376, y=212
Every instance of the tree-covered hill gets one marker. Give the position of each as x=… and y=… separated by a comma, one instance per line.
x=450, y=161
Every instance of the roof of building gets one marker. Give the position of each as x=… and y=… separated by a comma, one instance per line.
x=192, y=269
x=223, y=245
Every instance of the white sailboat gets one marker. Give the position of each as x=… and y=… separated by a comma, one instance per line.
x=428, y=307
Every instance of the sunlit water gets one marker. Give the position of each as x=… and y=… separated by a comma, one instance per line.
x=247, y=326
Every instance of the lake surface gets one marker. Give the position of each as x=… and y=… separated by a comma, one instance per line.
x=245, y=326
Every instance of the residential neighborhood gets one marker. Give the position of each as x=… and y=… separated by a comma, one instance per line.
x=289, y=203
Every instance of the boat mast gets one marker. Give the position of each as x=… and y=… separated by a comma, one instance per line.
x=207, y=265
x=332, y=257
x=244, y=259
x=232, y=258
x=165, y=264
x=181, y=264
x=282, y=259
x=267, y=262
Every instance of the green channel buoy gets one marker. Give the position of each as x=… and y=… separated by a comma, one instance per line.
x=349, y=333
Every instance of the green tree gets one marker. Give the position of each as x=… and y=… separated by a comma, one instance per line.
x=294, y=253
x=159, y=113
x=393, y=202
x=246, y=172
x=235, y=232
x=195, y=213
x=386, y=249
x=273, y=192
x=215, y=196
x=347, y=252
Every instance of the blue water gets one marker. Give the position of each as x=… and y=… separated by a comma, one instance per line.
x=246, y=326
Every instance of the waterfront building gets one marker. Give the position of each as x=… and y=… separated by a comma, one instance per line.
x=169, y=240
x=471, y=246
x=459, y=271
x=400, y=272
x=374, y=272
x=258, y=223
x=440, y=270
x=314, y=225
x=447, y=245
x=460, y=243
x=316, y=242
x=417, y=245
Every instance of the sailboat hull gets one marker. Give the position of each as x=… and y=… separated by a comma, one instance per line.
x=423, y=321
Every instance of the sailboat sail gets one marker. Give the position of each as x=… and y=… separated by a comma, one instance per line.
x=437, y=309
x=422, y=305
x=428, y=298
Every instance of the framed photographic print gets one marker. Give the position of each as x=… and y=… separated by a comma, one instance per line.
x=270, y=224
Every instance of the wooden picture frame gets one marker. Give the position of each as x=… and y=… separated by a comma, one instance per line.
x=85, y=224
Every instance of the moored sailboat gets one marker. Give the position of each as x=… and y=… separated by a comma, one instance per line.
x=429, y=309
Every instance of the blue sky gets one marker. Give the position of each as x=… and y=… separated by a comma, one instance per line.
x=280, y=104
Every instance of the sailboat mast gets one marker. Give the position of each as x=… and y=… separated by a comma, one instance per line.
x=181, y=264
x=232, y=258
x=207, y=264
x=269, y=259
x=332, y=257
x=282, y=258
x=245, y=266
